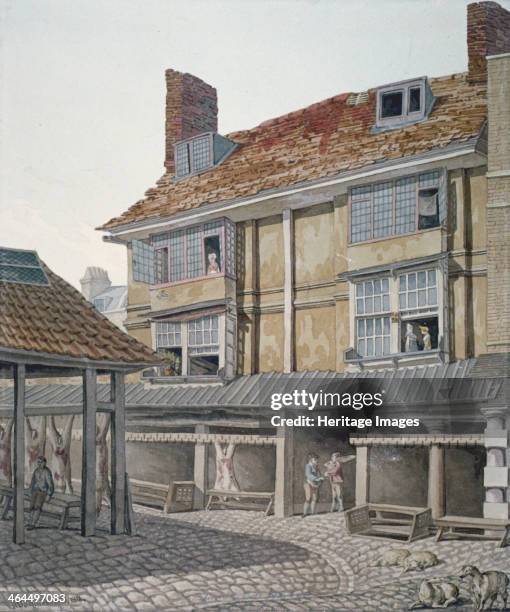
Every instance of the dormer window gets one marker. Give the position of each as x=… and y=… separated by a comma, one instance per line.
x=201, y=153
x=403, y=103
x=193, y=155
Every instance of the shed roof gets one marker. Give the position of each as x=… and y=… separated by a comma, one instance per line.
x=452, y=382
x=317, y=142
x=52, y=319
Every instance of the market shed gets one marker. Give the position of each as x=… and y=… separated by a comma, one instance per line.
x=47, y=329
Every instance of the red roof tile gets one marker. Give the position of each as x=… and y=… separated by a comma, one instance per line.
x=321, y=140
x=57, y=319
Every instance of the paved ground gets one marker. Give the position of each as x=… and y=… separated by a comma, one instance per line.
x=226, y=560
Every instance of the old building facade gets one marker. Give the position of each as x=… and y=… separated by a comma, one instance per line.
x=366, y=232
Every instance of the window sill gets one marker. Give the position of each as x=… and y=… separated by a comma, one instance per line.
x=189, y=280
x=397, y=360
x=181, y=380
x=393, y=236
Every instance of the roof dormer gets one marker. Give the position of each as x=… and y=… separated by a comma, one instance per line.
x=200, y=153
x=403, y=103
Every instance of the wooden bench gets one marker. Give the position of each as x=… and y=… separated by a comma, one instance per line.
x=234, y=499
x=465, y=526
x=59, y=507
x=149, y=493
x=404, y=523
x=176, y=497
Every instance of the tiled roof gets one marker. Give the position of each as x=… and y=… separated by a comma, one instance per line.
x=57, y=319
x=319, y=141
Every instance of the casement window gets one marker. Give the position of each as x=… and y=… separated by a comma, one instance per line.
x=200, y=153
x=397, y=313
x=373, y=317
x=397, y=207
x=403, y=103
x=203, y=345
x=194, y=155
x=197, y=347
x=197, y=252
x=169, y=347
x=418, y=308
x=189, y=348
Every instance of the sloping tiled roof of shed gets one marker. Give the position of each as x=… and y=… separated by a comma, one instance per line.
x=316, y=142
x=56, y=319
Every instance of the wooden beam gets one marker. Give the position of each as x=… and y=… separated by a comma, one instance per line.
x=436, y=499
x=200, y=469
x=33, y=410
x=288, y=289
x=118, y=453
x=88, y=471
x=284, y=477
x=19, y=454
x=362, y=475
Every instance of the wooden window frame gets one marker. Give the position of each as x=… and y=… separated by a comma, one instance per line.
x=394, y=181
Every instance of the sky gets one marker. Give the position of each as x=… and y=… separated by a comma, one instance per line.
x=82, y=93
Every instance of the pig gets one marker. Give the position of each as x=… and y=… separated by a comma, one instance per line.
x=436, y=594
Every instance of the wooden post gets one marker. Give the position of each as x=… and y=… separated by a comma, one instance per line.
x=436, y=489
x=200, y=469
x=18, y=536
x=288, y=288
x=362, y=475
x=118, y=453
x=88, y=469
x=284, y=480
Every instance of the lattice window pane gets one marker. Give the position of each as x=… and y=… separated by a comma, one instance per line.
x=177, y=261
x=230, y=249
x=143, y=262
x=201, y=152
x=182, y=161
x=161, y=265
x=405, y=206
x=418, y=290
x=373, y=336
x=168, y=334
x=203, y=335
x=361, y=223
x=373, y=296
x=194, y=252
x=383, y=209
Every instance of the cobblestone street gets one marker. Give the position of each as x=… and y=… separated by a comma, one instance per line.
x=227, y=560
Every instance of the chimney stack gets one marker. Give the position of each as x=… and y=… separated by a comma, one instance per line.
x=488, y=33
x=191, y=109
x=94, y=281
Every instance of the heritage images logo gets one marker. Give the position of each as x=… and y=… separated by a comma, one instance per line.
x=310, y=401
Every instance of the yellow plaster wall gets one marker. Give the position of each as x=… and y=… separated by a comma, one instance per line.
x=315, y=339
x=270, y=252
x=314, y=244
x=270, y=349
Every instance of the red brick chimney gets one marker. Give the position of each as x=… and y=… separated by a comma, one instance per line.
x=191, y=109
x=488, y=33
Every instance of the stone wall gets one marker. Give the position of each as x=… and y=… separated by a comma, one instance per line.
x=498, y=206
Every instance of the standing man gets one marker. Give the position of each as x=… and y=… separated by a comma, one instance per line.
x=336, y=478
x=41, y=488
x=313, y=481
